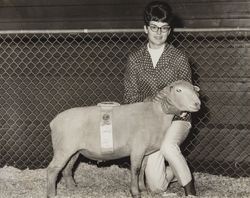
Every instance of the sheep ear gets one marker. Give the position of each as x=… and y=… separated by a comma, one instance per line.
x=171, y=88
x=196, y=88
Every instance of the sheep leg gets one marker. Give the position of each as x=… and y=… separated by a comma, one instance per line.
x=67, y=172
x=142, y=185
x=136, y=160
x=58, y=162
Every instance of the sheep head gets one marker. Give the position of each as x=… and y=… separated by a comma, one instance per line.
x=180, y=96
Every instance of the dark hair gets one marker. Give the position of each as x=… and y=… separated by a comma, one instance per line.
x=158, y=11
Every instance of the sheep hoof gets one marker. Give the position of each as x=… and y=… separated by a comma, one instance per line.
x=72, y=187
x=51, y=195
x=70, y=183
x=142, y=186
x=136, y=196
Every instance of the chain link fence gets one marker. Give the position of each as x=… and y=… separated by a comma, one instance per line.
x=44, y=73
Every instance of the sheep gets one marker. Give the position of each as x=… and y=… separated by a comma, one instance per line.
x=138, y=130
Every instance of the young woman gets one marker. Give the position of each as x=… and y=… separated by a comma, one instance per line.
x=149, y=70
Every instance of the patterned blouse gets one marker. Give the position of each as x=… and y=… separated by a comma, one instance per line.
x=143, y=80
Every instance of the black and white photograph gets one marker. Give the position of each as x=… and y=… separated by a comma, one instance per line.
x=124, y=98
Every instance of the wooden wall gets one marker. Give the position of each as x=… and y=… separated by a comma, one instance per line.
x=74, y=14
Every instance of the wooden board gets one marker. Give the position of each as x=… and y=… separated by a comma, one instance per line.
x=118, y=14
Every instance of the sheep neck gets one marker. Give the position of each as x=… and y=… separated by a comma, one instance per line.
x=168, y=107
x=166, y=103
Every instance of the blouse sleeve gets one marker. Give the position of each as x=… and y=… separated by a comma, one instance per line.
x=184, y=73
x=131, y=89
x=184, y=69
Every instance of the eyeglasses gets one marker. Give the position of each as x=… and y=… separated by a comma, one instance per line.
x=163, y=29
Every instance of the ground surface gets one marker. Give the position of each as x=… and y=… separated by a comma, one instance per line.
x=111, y=182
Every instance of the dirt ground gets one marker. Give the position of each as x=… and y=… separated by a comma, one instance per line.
x=111, y=182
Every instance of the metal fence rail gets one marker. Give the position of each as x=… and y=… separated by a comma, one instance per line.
x=45, y=72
